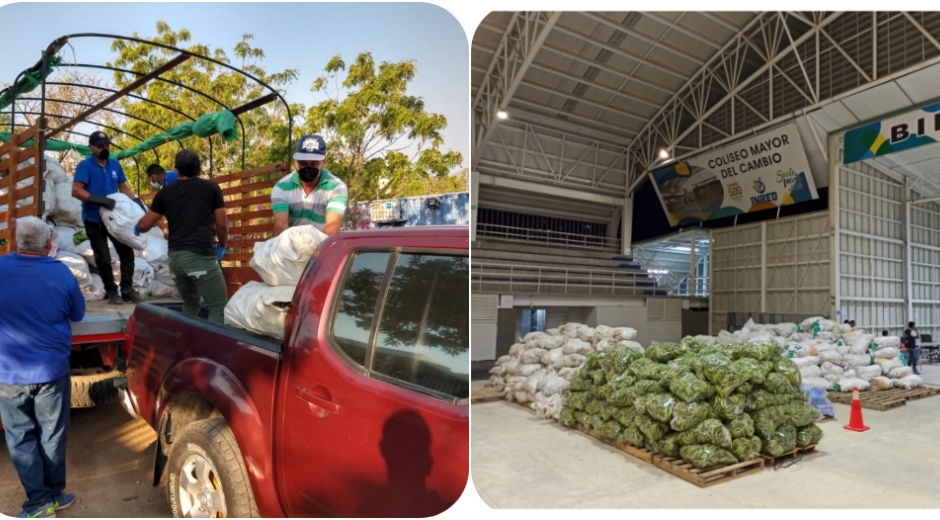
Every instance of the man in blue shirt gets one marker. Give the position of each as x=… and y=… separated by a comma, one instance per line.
x=38, y=298
x=95, y=178
x=160, y=178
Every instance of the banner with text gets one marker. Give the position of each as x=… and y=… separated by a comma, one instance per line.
x=766, y=171
x=903, y=132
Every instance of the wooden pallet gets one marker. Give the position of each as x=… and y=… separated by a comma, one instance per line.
x=796, y=454
x=485, y=395
x=885, y=399
x=707, y=477
x=644, y=455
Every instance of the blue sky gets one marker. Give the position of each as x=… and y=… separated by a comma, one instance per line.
x=302, y=36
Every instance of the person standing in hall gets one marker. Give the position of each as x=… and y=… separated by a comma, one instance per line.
x=39, y=297
x=198, y=234
x=909, y=340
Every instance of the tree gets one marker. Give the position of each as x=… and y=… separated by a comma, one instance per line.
x=369, y=121
x=265, y=127
x=435, y=185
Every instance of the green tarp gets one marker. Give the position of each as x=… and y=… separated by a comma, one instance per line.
x=32, y=79
x=222, y=123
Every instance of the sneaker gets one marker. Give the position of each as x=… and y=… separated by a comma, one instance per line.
x=46, y=511
x=114, y=298
x=132, y=296
x=64, y=501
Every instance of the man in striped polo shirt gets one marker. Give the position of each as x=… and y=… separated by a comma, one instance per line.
x=310, y=195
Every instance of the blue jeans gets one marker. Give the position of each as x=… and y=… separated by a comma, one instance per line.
x=35, y=419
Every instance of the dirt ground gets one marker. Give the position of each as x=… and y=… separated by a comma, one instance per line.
x=110, y=468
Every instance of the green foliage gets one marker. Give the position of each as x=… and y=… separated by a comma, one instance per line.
x=369, y=120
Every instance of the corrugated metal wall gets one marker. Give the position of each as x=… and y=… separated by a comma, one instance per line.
x=870, y=248
x=925, y=267
x=778, y=266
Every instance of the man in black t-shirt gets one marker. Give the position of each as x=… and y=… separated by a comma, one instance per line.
x=909, y=340
x=195, y=213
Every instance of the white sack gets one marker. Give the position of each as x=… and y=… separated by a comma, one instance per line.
x=94, y=291
x=533, y=355
x=830, y=356
x=549, y=342
x=260, y=308
x=623, y=333
x=887, y=353
x=707, y=340
x=807, y=324
x=159, y=289
x=531, y=384
x=901, y=372
x=869, y=372
x=601, y=332
x=760, y=338
x=282, y=259
x=84, y=249
x=881, y=383
x=576, y=346
x=811, y=371
x=568, y=372
x=803, y=362
x=828, y=369
x=585, y=333
x=121, y=220
x=551, y=357
x=888, y=341
x=512, y=366
x=161, y=273
x=533, y=336
x=552, y=384
x=785, y=329
x=143, y=273
x=911, y=381
x=65, y=242
x=854, y=360
x=887, y=365
x=843, y=349
x=848, y=385
x=527, y=370
x=157, y=250
x=516, y=349
x=818, y=381
x=575, y=360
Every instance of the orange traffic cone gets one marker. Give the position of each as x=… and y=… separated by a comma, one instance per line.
x=856, y=424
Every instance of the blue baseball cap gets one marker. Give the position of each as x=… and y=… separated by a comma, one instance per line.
x=98, y=138
x=310, y=148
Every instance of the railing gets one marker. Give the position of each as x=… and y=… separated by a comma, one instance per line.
x=548, y=237
x=668, y=280
x=541, y=279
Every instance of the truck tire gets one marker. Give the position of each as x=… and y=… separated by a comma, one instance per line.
x=206, y=471
x=95, y=389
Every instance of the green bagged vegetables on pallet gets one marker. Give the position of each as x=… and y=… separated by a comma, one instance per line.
x=651, y=428
x=802, y=414
x=746, y=448
x=660, y=406
x=633, y=436
x=625, y=415
x=778, y=384
x=576, y=400
x=704, y=456
x=741, y=426
x=610, y=429
x=668, y=445
x=686, y=416
x=808, y=435
x=709, y=431
x=691, y=389
x=728, y=407
x=568, y=417
x=749, y=370
x=664, y=352
x=780, y=441
x=623, y=397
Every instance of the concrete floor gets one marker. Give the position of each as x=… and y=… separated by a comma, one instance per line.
x=520, y=462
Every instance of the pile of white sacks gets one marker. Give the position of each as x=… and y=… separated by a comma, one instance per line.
x=262, y=307
x=833, y=356
x=151, y=269
x=539, y=366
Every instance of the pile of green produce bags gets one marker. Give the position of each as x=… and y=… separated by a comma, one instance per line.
x=711, y=405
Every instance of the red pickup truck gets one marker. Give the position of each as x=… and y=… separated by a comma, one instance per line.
x=362, y=409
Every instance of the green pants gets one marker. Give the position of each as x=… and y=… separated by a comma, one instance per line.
x=198, y=277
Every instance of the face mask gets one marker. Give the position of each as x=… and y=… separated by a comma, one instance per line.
x=103, y=155
x=156, y=185
x=308, y=173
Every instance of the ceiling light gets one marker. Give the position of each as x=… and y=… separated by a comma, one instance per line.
x=502, y=114
x=658, y=271
x=663, y=154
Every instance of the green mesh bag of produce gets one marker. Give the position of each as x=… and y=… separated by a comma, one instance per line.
x=749, y=370
x=601, y=392
x=778, y=384
x=633, y=436
x=780, y=441
x=686, y=416
x=622, y=358
x=567, y=417
x=799, y=396
x=705, y=456
x=808, y=435
x=771, y=351
x=652, y=429
x=582, y=417
x=610, y=429
x=668, y=445
x=649, y=371
x=623, y=397
x=802, y=414
x=766, y=421
x=600, y=377
x=718, y=371
x=608, y=410
x=758, y=399
x=576, y=400
x=593, y=362
x=595, y=421
x=722, y=349
x=741, y=426
x=672, y=373
x=594, y=407
x=709, y=431
x=728, y=407
x=660, y=406
x=579, y=384
x=788, y=369
x=690, y=388
x=664, y=352
x=625, y=415
x=691, y=344
x=746, y=448
x=622, y=380
x=647, y=387
x=766, y=367
x=748, y=351
x=745, y=389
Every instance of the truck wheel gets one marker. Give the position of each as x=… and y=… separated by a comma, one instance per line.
x=206, y=474
x=95, y=389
